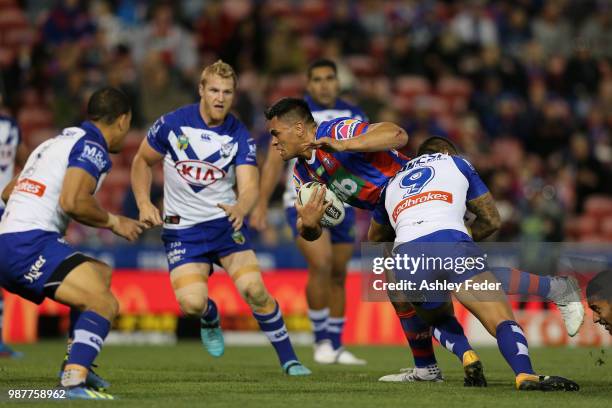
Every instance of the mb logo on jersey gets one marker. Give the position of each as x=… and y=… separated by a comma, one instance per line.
x=93, y=153
x=238, y=238
x=182, y=142
x=199, y=173
x=414, y=181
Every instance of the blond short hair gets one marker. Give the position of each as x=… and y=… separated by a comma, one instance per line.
x=219, y=68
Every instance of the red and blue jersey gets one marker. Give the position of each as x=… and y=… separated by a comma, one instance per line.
x=356, y=178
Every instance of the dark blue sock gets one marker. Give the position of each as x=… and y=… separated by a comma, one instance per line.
x=74, y=316
x=517, y=282
x=274, y=328
x=211, y=315
x=418, y=334
x=451, y=336
x=335, y=328
x=318, y=319
x=90, y=330
x=513, y=346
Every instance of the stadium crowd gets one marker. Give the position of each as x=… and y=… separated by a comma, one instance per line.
x=523, y=87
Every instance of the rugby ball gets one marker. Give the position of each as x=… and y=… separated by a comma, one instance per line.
x=334, y=214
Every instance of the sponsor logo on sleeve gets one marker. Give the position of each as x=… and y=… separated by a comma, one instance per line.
x=420, y=199
x=31, y=187
x=346, y=128
x=252, y=155
x=94, y=153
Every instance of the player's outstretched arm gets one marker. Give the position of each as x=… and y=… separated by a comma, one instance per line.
x=247, y=177
x=487, y=219
x=270, y=175
x=78, y=202
x=379, y=137
x=141, y=178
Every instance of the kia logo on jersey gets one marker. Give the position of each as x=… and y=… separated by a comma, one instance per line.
x=30, y=187
x=199, y=173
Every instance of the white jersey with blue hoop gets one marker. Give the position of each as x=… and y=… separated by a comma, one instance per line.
x=199, y=164
x=341, y=109
x=9, y=141
x=34, y=203
x=429, y=194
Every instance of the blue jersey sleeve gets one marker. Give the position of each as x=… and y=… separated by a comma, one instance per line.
x=476, y=186
x=90, y=156
x=379, y=214
x=247, y=149
x=158, y=136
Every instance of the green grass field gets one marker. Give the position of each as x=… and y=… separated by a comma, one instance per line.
x=184, y=375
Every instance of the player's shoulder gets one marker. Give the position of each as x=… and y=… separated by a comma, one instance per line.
x=462, y=163
x=326, y=128
x=183, y=115
x=233, y=126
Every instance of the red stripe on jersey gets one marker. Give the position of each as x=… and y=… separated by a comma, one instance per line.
x=360, y=128
x=384, y=162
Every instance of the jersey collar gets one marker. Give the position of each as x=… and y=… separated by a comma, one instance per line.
x=92, y=129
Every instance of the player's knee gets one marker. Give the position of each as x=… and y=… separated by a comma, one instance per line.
x=256, y=294
x=338, y=278
x=320, y=268
x=104, y=303
x=192, y=305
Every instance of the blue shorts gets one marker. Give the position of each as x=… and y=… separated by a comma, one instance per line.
x=204, y=243
x=343, y=233
x=34, y=263
x=447, y=257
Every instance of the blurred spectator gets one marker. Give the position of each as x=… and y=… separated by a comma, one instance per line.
x=597, y=31
x=590, y=176
x=551, y=31
x=68, y=22
x=159, y=92
x=164, y=36
x=582, y=71
x=514, y=31
x=474, y=26
x=213, y=28
x=551, y=130
x=403, y=58
x=108, y=25
x=344, y=27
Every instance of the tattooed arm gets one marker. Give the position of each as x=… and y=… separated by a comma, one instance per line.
x=487, y=217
